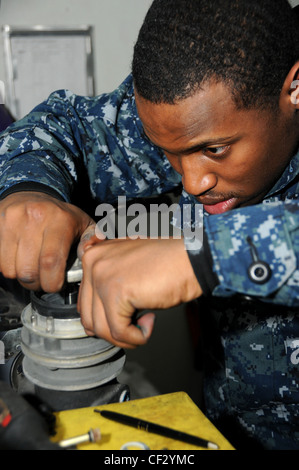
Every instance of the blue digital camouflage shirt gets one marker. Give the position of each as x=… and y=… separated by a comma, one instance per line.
x=252, y=340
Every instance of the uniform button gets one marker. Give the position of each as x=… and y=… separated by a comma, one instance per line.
x=259, y=272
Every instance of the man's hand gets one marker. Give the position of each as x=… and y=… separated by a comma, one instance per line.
x=36, y=234
x=123, y=276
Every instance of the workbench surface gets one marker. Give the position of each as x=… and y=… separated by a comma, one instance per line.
x=174, y=410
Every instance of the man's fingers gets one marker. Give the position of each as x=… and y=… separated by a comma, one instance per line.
x=53, y=258
x=8, y=250
x=37, y=232
x=106, y=319
x=121, y=277
x=146, y=324
x=27, y=261
x=90, y=237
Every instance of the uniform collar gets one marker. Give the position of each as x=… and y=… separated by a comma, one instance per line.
x=289, y=174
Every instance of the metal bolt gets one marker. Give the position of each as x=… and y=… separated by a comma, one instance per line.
x=94, y=435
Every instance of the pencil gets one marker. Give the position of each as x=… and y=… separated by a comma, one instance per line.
x=157, y=429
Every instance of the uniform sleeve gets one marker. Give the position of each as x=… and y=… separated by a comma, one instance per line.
x=35, y=152
x=253, y=251
x=71, y=143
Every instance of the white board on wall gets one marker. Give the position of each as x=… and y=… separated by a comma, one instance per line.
x=40, y=60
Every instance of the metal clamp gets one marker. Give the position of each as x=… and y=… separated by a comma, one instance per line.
x=138, y=444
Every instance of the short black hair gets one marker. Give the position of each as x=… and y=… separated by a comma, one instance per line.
x=250, y=45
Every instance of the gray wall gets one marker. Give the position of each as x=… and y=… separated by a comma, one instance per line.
x=116, y=24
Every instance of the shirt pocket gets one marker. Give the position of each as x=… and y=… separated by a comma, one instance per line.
x=250, y=366
x=286, y=359
x=262, y=362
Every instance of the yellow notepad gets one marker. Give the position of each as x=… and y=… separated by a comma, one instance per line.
x=174, y=410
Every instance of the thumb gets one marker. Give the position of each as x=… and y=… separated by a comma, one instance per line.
x=89, y=237
x=146, y=324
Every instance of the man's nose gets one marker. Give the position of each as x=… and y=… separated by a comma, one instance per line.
x=197, y=178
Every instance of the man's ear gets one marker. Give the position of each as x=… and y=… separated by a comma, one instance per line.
x=290, y=90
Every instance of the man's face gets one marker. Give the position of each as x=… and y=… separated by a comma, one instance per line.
x=227, y=157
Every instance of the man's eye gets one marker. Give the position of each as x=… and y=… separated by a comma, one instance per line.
x=216, y=151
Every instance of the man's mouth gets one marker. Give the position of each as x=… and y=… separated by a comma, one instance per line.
x=220, y=207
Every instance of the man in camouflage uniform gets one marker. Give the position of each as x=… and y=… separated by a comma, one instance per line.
x=212, y=105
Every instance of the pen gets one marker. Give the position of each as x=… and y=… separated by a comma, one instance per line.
x=157, y=429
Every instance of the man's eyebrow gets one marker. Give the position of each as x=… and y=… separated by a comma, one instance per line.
x=204, y=144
